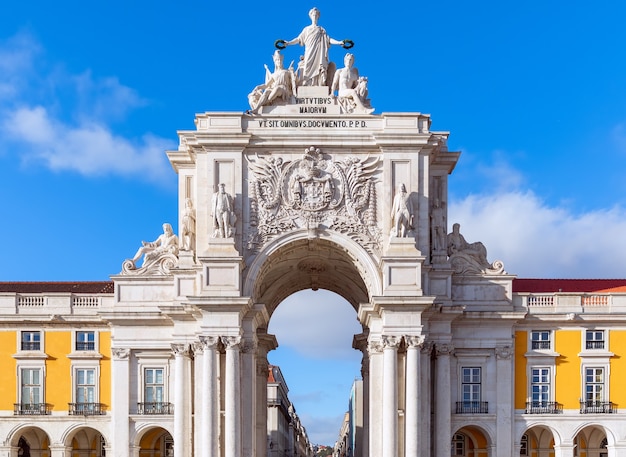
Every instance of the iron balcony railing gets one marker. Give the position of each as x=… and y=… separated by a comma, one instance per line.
x=31, y=409
x=543, y=407
x=86, y=409
x=31, y=346
x=85, y=346
x=155, y=408
x=597, y=407
x=540, y=344
x=595, y=345
x=472, y=407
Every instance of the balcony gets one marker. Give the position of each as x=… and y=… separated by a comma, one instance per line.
x=86, y=409
x=594, y=344
x=156, y=408
x=543, y=407
x=540, y=344
x=597, y=407
x=472, y=407
x=31, y=409
x=85, y=346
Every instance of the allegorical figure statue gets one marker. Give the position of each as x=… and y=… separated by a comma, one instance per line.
x=188, y=235
x=223, y=213
x=351, y=88
x=457, y=245
x=402, y=213
x=316, y=43
x=166, y=243
x=438, y=225
x=281, y=83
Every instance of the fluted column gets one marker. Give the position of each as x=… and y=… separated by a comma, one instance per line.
x=248, y=397
x=232, y=400
x=390, y=395
x=120, y=382
x=426, y=390
x=209, y=433
x=411, y=415
x=443, y=407
x=375, y=395
x=181, y=355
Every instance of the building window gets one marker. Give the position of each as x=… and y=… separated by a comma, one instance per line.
x=86, y=391
x=540, y=386
x=154, y=387
x=31, y=341
x=31, y=391
x=594, y=339
x=458, y=444
x=594, y=385
x=85, y=341
x=540, y=339
x=470, y=386
x=523, y=446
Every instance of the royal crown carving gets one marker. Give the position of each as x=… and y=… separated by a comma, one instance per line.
x=314, y=193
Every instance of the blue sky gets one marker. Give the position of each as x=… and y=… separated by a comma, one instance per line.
x=92, y=94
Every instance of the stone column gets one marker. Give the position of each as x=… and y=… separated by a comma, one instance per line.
x=362, y=444
x=443, y=407
x=390, y=395
x=504, y=399
x=59, y=450
x=181, y=422
x=411, y=415
x=565, y=449
x=198, y=396
x=120, y=382
x=248, y=397
x=425, y=432
x=209, y=409
x=232, y=400
x=375, y=398
x=266, y=343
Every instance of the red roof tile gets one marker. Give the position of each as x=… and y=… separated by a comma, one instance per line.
x=566, y=285
x=87, y=287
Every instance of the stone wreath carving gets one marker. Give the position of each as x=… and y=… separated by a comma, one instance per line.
x=315, y=193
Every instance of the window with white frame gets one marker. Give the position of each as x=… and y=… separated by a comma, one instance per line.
x=470, y=384
x=85, y=386
x=540, y=385
x=594, y=385
x=30, y=341
x=31, y=391
x=594, y=339
x=154, y=387
x=540, y=339
x=85, y=341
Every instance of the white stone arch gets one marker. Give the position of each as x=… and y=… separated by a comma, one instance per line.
x=543, y=438
x=138, y=432
x=82, y=433
x=33, y=432
x=590, y=429
x=350, y=260
x=469, y=429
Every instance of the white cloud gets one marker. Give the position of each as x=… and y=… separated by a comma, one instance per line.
x=64, y=121
x=536, y=240
x=90, y=149
x=316, y=324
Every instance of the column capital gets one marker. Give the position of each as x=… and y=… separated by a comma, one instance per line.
x=120, y=353
x=209, y=342
x=231, y=342
x=504, y=352
x=181, y=349
x=414, y=341
x=444, y=349
x=374, y=347
x=391, y=341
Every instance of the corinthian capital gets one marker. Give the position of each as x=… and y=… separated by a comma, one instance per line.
x=181, y=349
x=504, y=352
x=231, y=342
x=120, y=353
x=415, y=341
x=391, y=341
x=444, y=349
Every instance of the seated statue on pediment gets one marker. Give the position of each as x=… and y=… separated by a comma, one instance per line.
x=351, y=88
x=158, y=256
x=470, y=257
x=279, y=85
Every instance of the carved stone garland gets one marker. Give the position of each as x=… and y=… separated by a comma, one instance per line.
x=314, y=193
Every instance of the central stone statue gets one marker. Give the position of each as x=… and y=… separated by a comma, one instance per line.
x=313, y=70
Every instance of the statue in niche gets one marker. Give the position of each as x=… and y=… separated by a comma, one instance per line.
x=280, y=84
x=188, y=235
x=402, y=214
x=438, y=225
x=314, y=67
x=224, y=217
x=158, y=255
x=351, y=89
x=470, y=257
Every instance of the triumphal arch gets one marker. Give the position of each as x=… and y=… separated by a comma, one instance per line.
x=311, y=188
